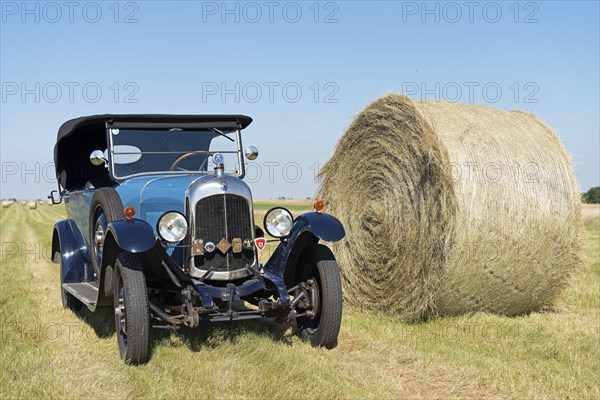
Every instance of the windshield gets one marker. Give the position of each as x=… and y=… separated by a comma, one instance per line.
x=160, y=151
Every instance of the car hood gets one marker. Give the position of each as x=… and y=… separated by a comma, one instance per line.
x=151, y=196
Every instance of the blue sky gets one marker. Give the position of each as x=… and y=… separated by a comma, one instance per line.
x=302, y=70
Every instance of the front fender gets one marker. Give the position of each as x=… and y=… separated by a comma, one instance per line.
x=324, y=226
x=308, y=228
x=132, y=235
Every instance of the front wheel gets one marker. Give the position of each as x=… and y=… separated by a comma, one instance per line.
x=319, y=268
x=132, y=315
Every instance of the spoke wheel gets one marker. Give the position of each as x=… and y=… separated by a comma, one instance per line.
x=132, y=315
x=319, y=270
x=106, y=207
x=98, y=237
x=121, y=314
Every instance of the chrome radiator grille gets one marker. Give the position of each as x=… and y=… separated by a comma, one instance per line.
x=223, y=216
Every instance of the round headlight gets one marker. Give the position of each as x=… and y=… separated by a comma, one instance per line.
x=278, y=222
x=172, y=227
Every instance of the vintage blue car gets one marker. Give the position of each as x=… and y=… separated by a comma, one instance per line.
x=160, y=226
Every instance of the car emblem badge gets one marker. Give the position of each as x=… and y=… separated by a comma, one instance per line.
x=218, y=158
x=224, y=245
x=224, y=186
x=209, y=247
x=237, y=245
x=260, y=243
x=247, y=244
x=198, y=247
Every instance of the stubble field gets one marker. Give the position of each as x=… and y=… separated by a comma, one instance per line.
x=49, y=352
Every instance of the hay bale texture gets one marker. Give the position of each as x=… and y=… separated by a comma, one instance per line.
x=452, y=208
x=32, y=205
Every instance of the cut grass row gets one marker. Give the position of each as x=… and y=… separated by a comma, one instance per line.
x=46, y=351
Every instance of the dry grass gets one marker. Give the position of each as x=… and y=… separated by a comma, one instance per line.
x=452, y=208
x=49, y=352
x=590, y=212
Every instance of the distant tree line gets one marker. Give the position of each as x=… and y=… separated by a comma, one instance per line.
x=591, y=196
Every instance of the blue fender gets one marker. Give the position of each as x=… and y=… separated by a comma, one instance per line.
x=132, y=235
x=72, y=258
x=324, y=226
x=308, y=228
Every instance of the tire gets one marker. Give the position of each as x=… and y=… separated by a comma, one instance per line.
x=106, y=207
x=318, y=262
x=132, y=315
x=69, y=301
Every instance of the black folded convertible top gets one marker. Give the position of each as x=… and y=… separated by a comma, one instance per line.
x=79, y=136
x=154, y=121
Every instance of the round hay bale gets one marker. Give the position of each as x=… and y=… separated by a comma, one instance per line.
x=452, y=208
x=6, y=204
x=32, y=205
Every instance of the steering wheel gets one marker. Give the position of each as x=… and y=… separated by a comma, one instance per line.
x=185, y=156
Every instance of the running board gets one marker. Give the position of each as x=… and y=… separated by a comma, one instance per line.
x=86, y=292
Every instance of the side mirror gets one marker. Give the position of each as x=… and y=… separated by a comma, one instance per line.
x=251, y=153
x=97, y=158
x=55, y=197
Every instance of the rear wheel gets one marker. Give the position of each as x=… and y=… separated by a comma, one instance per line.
x=68, y=300
x=132, y=316
x=106, y=207
x=318, y=268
